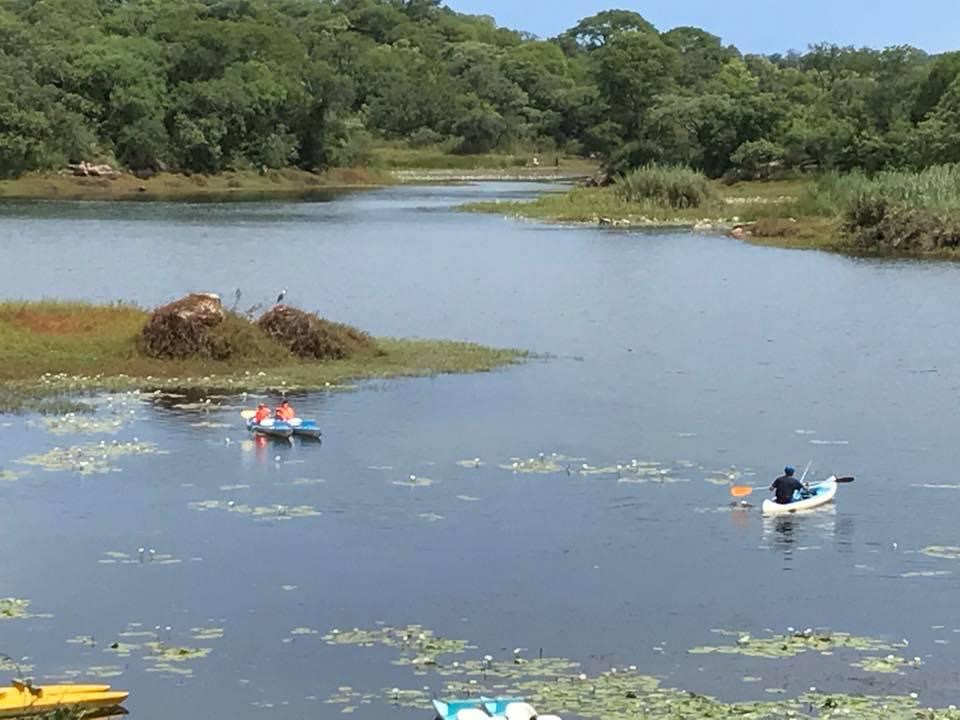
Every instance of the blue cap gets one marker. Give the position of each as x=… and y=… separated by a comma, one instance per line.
x=789, y=470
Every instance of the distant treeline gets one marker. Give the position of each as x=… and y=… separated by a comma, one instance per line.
x=209, y=85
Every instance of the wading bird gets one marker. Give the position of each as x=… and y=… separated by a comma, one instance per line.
x=281, y=296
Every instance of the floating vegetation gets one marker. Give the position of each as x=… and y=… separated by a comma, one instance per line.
x=431, y=517
x=210, y=424
x=206, y=633
x=414, y=481
x=273, y=512
x=307, y=481
x=8, y=664
x=888, y=664
x=151, y=556
x=288, y=588
x=474, y=463
x=88, y=459
x=947, y=552
x=412, y=640
x=544, y=464
x=304, y=631
x=123, y=649
x=17, y=609
x=104, y=671
x=558, y=686
x=938, y=486
x=351, y=699
x=86, y=640
x=74, y=424
x=926, y=573
x=792, y=644
x=468, y=498
x=9, y=475
x=231, y=488
x=161, y=652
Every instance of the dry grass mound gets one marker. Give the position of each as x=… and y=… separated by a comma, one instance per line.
x=197, y=326
x=307, y=335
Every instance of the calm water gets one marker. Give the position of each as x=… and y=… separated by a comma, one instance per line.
x=696, y=352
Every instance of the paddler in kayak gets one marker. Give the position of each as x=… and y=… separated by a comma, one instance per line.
x=263, y=412
x=285, y=412
x=786, y=486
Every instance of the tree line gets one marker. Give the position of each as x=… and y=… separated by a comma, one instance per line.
x=211, y=85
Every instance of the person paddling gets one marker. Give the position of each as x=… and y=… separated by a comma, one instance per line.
x=263, y=412
x=286, y=412
x=786, y=485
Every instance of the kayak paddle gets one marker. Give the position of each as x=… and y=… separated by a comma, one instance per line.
x=744, y=490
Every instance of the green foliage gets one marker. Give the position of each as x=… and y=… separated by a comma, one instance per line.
x=216, y=85
x=673, y=186
x=893, y=211
x=758, y=159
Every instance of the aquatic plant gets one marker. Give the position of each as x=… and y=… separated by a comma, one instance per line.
x=558, y=685
x=88, y=459
x=947, y=552
x=672, y=186
x=16, y=608
x=412, y=640
x=274, y=512
x=792, y=643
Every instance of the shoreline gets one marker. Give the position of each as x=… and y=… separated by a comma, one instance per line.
x=57, y=351
x=57, y=392
x=269, y=185
x=758, y=213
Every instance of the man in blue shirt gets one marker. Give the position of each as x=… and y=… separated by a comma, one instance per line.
x=786, y=485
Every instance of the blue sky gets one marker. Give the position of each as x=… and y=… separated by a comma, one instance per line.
x=758, y=26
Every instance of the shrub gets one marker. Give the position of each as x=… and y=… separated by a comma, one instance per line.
x=308, y=336
x=672, y=186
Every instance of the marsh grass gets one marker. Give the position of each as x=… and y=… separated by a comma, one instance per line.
x=51, y=351
x=669, y=186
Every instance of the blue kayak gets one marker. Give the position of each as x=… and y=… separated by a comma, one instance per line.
x=492, y=707
x=305, y=428
x=271, y=428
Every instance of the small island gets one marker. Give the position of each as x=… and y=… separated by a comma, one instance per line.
x=55, y=352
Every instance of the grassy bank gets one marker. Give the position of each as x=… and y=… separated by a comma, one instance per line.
x=893, y=213
x=439, y=164
x=773, y=207
x=389, y=166
x=172, y=186
x=52, y=349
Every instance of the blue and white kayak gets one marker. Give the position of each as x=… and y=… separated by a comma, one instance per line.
x=305, y=428
x=466, y=709
x=271, y=428
x=819, y=494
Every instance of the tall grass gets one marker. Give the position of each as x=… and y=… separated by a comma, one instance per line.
x=673, y=186
x=897, y=211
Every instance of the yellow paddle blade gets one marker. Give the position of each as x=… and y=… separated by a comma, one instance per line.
x=248, y=414
x=740, y=490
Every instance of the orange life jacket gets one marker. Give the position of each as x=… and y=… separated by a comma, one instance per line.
x=262, y=414
x=287, y=413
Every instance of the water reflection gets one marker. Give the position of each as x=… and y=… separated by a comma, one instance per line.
x=790, y=534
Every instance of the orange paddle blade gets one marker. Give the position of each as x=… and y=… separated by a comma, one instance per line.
x=740, y=490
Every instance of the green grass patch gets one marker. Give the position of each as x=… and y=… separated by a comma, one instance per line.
x=52, y=351
x=271, y=184
x=672, y=186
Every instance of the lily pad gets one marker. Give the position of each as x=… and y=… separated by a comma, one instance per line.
x=947, y=552
x=163, y=653
x=89, y=459
x=792, y=644
x=206, y=633
x=16, y=608
x=274, y=512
